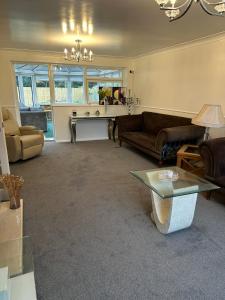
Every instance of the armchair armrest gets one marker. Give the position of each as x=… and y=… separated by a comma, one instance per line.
x=129, y=123
x=27, y=130
x=27, y=127
x=13, y=147
x=212, y=153
x=178, y=134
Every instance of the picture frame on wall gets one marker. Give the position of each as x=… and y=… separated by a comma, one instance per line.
x=112, y=95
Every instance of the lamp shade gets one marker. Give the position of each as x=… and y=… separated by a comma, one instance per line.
x=210, y=116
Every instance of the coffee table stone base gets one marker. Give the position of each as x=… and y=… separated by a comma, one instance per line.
x=173, y=214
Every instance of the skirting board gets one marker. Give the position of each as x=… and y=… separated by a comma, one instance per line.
x=62, y=141
x=83, y=140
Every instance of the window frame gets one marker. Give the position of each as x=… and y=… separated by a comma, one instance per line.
x=51, y=78
x=99, y=79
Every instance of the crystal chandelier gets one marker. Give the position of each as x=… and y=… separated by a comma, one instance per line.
x=77, y=54
x=175, y=11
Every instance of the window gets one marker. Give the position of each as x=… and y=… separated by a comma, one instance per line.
x=69, y=84
x=94, y=87
x=102, y=73
x=43, y=90
x=17, y=88
x=27, y=90
x=32, y=84
x=102, y=78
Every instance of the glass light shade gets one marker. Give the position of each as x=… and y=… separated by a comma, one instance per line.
x=162, y=2
x=210, y=116
x=220, y=8
x=172, y=13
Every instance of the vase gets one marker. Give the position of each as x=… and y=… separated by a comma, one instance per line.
x=14, y=202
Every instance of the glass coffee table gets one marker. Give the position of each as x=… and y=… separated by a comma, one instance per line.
x=16, y=270
x=174, y=194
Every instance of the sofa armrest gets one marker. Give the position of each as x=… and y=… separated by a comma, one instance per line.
x=212, y=153
x=129, y=123
x=13, y=147
x=179, y=134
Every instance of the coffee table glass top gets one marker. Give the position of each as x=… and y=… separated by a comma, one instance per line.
x=16, y=256
x=173, y=181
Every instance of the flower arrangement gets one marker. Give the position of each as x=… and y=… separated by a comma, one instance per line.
x=12, y=185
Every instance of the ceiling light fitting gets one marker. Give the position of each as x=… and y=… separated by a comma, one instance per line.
x=77, y=54
x=175, y=11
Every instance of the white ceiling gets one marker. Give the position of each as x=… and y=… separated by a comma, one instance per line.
x=121, y=27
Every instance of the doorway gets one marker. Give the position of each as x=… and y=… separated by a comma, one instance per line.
x=33, y=90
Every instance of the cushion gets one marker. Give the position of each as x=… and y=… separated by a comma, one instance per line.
x=154, y=122
x=220, y=181
x=11, y=127
x=5, y=114
x=24, y=108
x=10, y=124
x=141, y=138
x=31, y=140
x=36, y=109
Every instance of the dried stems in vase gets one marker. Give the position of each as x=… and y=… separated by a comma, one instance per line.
x=13, y=185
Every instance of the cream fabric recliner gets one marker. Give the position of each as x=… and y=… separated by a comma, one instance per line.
x=22, y=142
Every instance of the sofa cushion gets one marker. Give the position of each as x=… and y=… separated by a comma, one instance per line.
x=24, y=108
x=31, y=140
x=141, y=138
x=154, y=122
x=220, y=181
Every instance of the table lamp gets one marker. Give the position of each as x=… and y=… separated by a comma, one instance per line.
x=208, y=117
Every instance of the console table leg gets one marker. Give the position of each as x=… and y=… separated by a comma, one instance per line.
x=110, y=129
x=73, y=131
x=114, y=130
x=173, y=214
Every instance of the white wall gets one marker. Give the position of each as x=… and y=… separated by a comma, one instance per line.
x=8, y=94
x=181, y=79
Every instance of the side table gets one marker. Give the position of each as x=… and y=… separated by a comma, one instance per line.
x=189, y=159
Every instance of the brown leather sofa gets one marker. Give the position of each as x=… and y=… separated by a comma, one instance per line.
x=157, y=134
x=213, y=155
x=22, y=142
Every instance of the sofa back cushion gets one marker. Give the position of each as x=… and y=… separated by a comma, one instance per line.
x=154, y=122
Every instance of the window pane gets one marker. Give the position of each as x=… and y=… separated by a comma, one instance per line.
x=77, y=92
x=60, y=90
x=104, y=73
x=69, y=84
x=17, y=88
x=32, y=76
x=27, y=90
x=43, y=90
x=94, y=89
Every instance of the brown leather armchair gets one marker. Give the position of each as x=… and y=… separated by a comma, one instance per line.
x=22, y=142
x=213, y=155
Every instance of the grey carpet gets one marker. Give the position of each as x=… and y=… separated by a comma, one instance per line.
x=92, y=234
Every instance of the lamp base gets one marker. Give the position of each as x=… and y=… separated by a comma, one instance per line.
x=206, y=134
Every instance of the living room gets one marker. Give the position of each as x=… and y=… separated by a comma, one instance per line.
x=89, y=228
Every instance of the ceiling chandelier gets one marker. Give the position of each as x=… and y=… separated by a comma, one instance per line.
x=175, y=11
x=77, y=54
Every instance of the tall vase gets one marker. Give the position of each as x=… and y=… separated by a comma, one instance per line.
x=14, y=202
